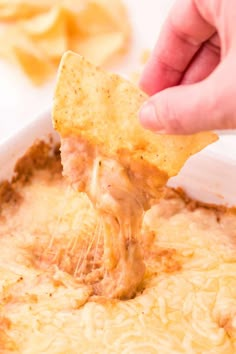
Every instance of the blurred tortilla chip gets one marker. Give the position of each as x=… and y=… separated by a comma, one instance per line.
x=118, y=12
x=20, y=50
x=103, y=16
x=50, y=32
x=98, y=49
x=33, y=64
x=102, y=108
x=21, y=9
x=44, y=23
x=97, y=29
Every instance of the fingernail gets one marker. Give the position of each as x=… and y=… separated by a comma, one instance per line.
x=148, y=117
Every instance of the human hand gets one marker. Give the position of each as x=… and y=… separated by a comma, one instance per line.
x=192, y=70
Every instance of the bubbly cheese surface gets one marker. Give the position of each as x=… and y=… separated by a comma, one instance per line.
x=187, y=303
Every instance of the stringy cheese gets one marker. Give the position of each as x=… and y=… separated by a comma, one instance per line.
x=188, y=304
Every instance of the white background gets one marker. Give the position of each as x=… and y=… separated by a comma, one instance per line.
x=20, y=102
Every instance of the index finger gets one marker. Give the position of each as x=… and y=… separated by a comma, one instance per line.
x=183, y=34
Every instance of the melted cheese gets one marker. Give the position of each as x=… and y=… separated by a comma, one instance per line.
x=188, y=302
x=120, y=201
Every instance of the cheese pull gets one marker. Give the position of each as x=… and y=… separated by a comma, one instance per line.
x=121, y=166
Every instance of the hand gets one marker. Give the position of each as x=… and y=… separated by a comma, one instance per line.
x=192, y=70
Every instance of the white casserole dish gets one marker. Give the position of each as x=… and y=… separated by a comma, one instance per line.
x=207, y=176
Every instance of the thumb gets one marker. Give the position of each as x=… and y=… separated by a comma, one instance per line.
x=187, y=109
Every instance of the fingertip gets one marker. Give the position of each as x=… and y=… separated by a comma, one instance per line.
x=186, y=109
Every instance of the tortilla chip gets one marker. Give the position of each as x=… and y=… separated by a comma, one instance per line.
x=21, y=51
x=103, y=16
x=49, y=32
x=97, y=29
x=21, y=9
x=100, y=48
x=102, y=108
x=118, y=13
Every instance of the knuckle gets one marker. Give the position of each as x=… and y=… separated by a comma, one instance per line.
x=221, y=103
x=212, y=47
x=183, y=36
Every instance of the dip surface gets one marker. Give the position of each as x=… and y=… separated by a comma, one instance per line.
x=51, y=247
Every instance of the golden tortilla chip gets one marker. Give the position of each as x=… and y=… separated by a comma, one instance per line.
x=49, y=32
x=21, y=9
x=101, y=16
x=103, y=109
x=20, y=50
x=118, y=12
x=44, y=23
x=98, y=49
x=97, y=29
